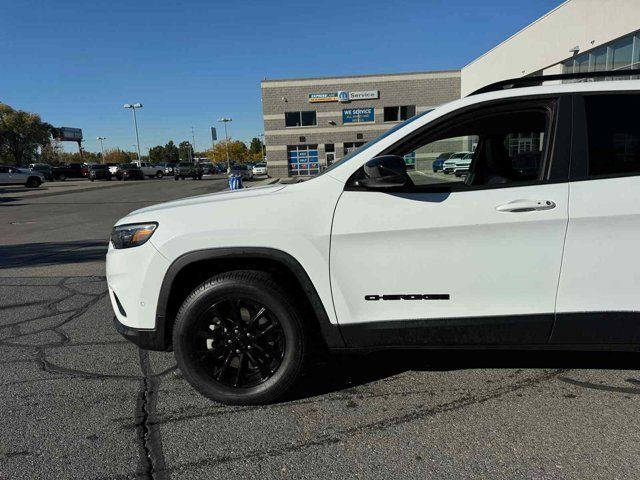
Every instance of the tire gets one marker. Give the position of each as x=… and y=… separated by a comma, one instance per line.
x=32, y=183
x=159, y=174
x=62, y=177
x=176, y=178
x=211, y=347
x=92, y=179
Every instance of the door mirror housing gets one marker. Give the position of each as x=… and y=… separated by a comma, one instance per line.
x=386, y=171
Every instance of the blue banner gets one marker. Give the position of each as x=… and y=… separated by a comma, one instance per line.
x=358, y=115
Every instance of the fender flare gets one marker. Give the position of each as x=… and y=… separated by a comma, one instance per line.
x=331, y=333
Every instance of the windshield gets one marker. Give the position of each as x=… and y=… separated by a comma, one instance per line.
x=99, y=167
x=375, y=140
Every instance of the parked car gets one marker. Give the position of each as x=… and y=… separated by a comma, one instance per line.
x=462, y=165
x=260, y=169
x=129, y=171
x=438, y=163
x=167, y=168
x=243, y=170
x=449, y=164
x=188, y=170
x=222, y=167
x=16, y=176
x=375, y=261
x=151, y=170
x=72, y=170
x=99, y=172
x=209, y=168
x=44, y=169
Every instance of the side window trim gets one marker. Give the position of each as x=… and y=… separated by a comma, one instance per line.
x=557, y=151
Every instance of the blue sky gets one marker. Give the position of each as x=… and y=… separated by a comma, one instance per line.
x=190, y=62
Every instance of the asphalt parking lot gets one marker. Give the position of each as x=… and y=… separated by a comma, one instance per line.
x=78, y=401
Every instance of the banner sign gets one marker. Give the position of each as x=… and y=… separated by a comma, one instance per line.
x=68, y=134
x=214, y=134
x=358, y=115
x=323, y=97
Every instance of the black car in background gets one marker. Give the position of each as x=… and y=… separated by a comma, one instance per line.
x=129, y=171
x=188, y=169
x=45, y=170
x=73, y=170
x=167, y=167
x=99, y=172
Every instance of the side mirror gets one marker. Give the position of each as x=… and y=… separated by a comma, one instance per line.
x=386, y=171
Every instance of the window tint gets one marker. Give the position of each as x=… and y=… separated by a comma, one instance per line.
x=300, y=119
x=396, y=114
x=613, y=129
x=491, y=149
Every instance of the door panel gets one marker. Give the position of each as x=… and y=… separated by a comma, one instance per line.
x=491, y=263
x=601, y=265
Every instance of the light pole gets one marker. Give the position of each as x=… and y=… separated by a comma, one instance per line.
x=226, y=142
x=134, y=146
x=133, y=107
x=102, y=146
x=264, y=148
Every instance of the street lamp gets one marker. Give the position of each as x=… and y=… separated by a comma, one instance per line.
x=133, y=107
x=226, y=143
x=102, y=146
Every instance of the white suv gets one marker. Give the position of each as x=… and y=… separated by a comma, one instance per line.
x=538, y=256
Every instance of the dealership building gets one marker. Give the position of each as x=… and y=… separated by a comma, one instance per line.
x=310, y=123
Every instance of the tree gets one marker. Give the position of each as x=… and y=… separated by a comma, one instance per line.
x=21, y=133
x=117, y=156
x=238, y=152
x=256, y=149
x=186, y=151
x=156, y=154
x=171, y=152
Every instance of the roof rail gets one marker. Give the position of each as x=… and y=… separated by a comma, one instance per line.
x=521, y=82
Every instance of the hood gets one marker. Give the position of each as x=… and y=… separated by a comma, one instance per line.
x=208, y=198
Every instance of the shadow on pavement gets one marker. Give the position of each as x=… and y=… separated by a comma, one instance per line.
x=339, y=372
x=52, y=253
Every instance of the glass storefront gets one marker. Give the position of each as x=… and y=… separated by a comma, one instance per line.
x=303, y=160
x=621, y=54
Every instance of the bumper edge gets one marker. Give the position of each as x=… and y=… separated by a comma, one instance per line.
x=147, y=339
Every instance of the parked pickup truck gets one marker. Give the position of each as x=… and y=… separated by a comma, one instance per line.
x=72, y=170
x=151, y=170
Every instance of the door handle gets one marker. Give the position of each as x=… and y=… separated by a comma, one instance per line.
x=518, y=206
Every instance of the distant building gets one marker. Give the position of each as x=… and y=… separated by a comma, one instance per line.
x=310, y=123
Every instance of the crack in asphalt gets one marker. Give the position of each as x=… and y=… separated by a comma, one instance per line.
x=151, y=459
x=151, y=462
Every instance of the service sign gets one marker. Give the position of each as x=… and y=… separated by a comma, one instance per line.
x=358, y=115
x=364, y=95
x=323, y=97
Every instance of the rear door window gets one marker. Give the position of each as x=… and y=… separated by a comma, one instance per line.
x=613, y=134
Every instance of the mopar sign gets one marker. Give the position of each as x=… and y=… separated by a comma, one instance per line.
x=343, y=96
x=358, y=115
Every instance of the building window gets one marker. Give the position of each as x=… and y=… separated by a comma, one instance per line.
x=329, y=147
x=300, y=119
x=351, y=147
x=621, y=54
x=397, y=114
x=303, y=160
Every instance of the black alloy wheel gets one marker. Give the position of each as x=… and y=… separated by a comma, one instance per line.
x=238, y=339
x=238, y=343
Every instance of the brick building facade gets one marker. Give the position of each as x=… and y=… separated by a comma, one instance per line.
x=312, y=122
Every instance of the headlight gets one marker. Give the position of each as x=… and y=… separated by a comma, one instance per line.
x=132, y=235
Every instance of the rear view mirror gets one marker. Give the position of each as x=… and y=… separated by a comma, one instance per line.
x=386, y=171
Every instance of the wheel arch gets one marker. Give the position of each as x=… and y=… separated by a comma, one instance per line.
x=193, y=268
